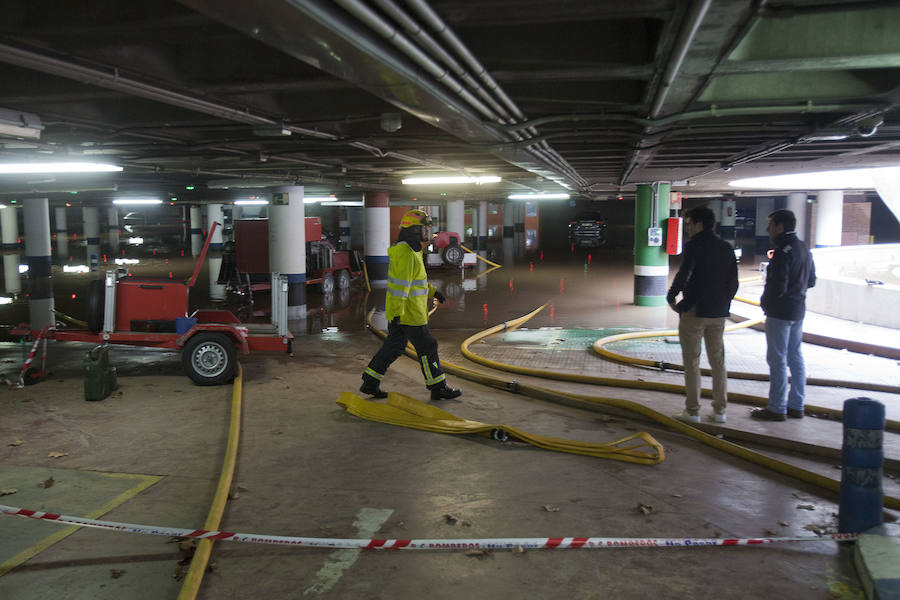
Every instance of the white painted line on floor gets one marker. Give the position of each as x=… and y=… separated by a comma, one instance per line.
x=367, y=524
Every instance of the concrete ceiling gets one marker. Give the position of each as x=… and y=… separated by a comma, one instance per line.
x=596, y=95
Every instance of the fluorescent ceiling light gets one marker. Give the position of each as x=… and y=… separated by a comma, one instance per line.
x=76, y=269
x=251, y=202
x=347, y=203
x=127, y=261
x=846, y=179
x=6, y=300
x=136, y=201
x=314, y=199
x=540, y=196
x=58, y=167
x=450, y=180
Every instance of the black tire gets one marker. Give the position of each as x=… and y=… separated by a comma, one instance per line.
x=343, y=279
x=209, y=359
x=31, y=376
x=327, y=285
x=452, y=255
x=96, y=302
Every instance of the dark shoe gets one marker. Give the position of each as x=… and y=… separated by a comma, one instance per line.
x=764, y=414
x=373, y=390
x=795, y=413
x=445, y=392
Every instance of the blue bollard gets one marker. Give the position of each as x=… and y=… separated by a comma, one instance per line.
x=862, y=495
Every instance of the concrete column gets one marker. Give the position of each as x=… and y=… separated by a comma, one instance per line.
x=509, y=246
x=456, y=218
x=214, y=214
x=11, y=277
x=344, y=228
x=796, y=203
x=62, y=232
x=764, y=207
x=482, y=224
x=651, y=263
x=196, y=231
x=287, y=244
x=435, y=213
x=37, y=253
x=378, y=235
x=112, y=228
x=519, y=228
x=829, y=218
x=91, y=217
x=357, y=217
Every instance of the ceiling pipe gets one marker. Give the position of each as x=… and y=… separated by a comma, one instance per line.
x=685, y=39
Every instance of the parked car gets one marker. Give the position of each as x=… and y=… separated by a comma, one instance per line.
x=588, y=230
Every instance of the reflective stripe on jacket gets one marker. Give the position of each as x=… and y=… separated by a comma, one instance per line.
x=408, y=290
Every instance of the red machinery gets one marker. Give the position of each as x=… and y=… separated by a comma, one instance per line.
x=153, y=312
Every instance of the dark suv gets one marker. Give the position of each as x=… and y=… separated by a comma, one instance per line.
x=588, y=230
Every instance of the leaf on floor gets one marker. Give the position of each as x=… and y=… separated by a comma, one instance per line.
x=550, y=508
x=47, y=483
x=454, y=520
x=644, y=509
x=56, y=454
x=8, y=492
x=16, y=443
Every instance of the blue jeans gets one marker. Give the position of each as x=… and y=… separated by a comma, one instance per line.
x=783, y=339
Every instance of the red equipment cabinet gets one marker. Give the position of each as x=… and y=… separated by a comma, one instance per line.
x=149, y=300
x=673, y=235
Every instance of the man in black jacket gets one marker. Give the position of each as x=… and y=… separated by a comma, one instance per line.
x=790, y=273
x=708, y=281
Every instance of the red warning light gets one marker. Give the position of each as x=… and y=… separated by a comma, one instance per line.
x=589, y=258
x=104, y=258
x=74, y=296
x=511, y=286
x=170, y=274
x=531, y=267
x=542, y=256
x=182, y=252
x=123, y=253
x=552, y=313
x=154, y=252
x=484, y=307
x=167, y=261
x=74, y=236
x=562, y=287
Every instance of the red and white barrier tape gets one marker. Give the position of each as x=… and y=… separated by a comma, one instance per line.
x=37, y=340
x=425, y=544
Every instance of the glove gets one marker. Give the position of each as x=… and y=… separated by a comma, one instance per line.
x=439, y=296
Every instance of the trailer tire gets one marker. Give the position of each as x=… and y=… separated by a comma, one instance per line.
x=327, y=285
x=95, y=301
x=343, y=279
x=452, y=255
x=209, y=359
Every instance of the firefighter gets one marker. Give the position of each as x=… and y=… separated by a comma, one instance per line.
x=406, y=308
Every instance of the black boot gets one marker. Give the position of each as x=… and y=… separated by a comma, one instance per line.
x=445, y=392
x=370, y=387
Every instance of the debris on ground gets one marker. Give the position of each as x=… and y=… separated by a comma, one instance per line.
x=16, y=443
x=480, y=553
x=550, y=508
x=47, y=483
x=806, y=506
x=116, y=573
x=454, y=520
x=771, y=532
x=8, y=491
x=56, y=454
x=784, y=523
x=645, y=509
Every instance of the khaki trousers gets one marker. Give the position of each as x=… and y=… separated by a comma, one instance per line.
x=691, y=329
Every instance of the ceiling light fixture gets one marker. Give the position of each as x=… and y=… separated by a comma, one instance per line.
x=58, y=167
x=451, y=180
x=846, y=179
x=136, y=201
x=251, y=202
x=314, y=199
x=540, y=196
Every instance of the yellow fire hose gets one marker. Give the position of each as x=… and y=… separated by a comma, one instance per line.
x=493, y=264
x=593, y=402
x=407, y=412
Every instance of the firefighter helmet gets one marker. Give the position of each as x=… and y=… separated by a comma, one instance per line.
x=415, y=217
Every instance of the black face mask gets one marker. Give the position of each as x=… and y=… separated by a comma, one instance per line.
x=412, y=236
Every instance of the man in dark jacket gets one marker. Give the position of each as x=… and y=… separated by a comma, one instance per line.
x=790, y=273
x=707, y=281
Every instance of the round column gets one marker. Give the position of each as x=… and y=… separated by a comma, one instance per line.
x=91, y=217
x=378, y=235
x=796, y=203
x=10, y=225
x=196, y=231
x=9, y=220
x=435, y=213
x=62, y=232
x=112, y=228
x=829, y=218
x=456, y=218
x=482, y=225
x=37, y=253
x=651, y=263
x=764, y=207
x=509, y=246
x=214, y=214
x=216, y=289
x=287, y=244
x=519, y=228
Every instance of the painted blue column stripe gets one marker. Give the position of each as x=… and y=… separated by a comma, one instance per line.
x=196, y=231
x=38, y=266
x=10, y=246
x=295, y=277
x=93, y=241
x=377, y=259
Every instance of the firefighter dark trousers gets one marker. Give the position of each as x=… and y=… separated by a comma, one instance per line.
x=395, y=344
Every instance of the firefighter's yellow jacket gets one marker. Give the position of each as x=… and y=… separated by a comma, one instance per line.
x=408, y=291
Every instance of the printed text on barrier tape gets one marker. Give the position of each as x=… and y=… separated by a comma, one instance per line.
x=422, y=544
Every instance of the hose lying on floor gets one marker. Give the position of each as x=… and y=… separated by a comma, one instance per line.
x=407, y=412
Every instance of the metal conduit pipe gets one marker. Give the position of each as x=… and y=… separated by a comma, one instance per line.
x=413, y=29
x=685, y=39
x=402, y=43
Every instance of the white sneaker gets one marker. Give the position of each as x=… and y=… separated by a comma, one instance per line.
x=716, y=417
x=687, y=417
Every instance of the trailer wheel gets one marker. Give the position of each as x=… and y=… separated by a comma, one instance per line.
x=209, y=359
x=452, y=255
x=343, y=279
x=95, y=301
x=327, y=285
